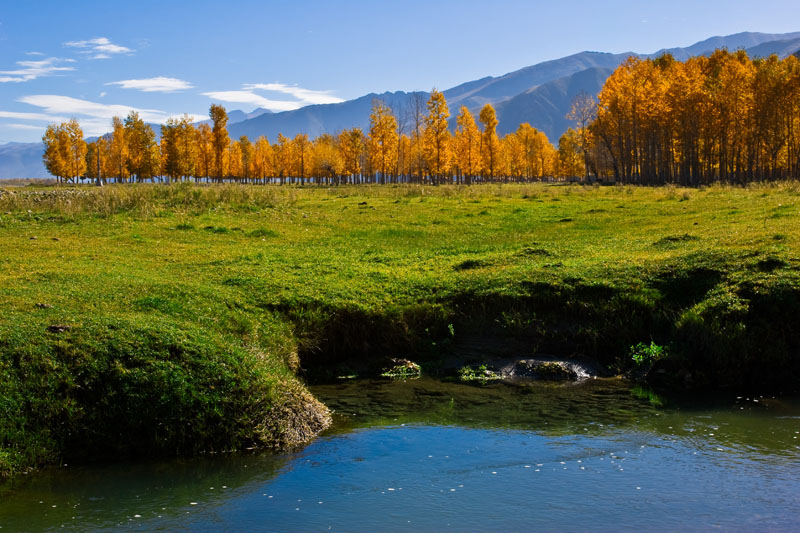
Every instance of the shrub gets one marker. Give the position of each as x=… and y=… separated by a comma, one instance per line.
x=647, y=354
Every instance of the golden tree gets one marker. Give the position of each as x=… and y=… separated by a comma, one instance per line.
x=326, y=159
x=246, y=152
x=144, y=158
x=204, y=150
x=96, y=166
x=467, y=146
x=513, y=151
x=570, y=156
x=219, y=138
x=405, y=156
x=351, y=146
x=282, y=157
x=300, y=147
x=234, y=167
x=490, y=144
x=118, y=148
x=65, y=150
x=179, y=149
x=263, y=159
x=54, y=157
x=436, y=136
x=382, y=140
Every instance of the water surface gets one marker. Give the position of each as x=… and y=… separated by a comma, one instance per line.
x=426, y=455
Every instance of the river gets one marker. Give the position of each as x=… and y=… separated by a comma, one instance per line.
x=426, y=455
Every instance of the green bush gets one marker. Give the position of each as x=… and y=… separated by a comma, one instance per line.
x=647, y=354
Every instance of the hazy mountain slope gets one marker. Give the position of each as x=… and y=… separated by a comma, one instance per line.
x=237, y=115
x=545, y=107
x=494, y=90
x=22, y=160
x=781, y=48
x=323, y=118
x=731, y=42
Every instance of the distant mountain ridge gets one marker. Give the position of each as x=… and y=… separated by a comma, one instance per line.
x=22, y=160
x=539, y=94
x=747, y=40
x=545, y=107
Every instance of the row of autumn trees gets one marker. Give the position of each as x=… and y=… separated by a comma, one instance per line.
x=428, y=153
x=723, y=117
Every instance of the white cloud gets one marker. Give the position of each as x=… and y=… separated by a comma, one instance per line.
x=306, y=96
x=34, y=54
x=94, y=118
x=30, y=70
x=24, y=127
x=66, y=105
x=301, y=97
x=28, y=116
x=249, y=97
x=101, y=47
x=158, y=84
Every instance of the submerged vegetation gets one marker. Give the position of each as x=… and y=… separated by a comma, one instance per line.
x=143, y=320
x=402, y=369
x=481, y=374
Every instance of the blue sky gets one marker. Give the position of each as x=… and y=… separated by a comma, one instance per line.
x=93, y=60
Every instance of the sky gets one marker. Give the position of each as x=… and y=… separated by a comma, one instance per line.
x=94, y=60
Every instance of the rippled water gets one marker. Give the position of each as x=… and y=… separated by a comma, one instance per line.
x=426, y=455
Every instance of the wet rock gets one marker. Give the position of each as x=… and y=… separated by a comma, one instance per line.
x=547, y=370
x=550, y=368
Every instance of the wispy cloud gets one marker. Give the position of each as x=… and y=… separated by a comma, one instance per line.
x=94, y=117
x=34, y=53
x=30, y=127
x=30, y=70
x=300, y=97
x=251, y=98
x=66, y=105
x=306, y=96
x=100, y=47
x=158, y=84
x=28, y=116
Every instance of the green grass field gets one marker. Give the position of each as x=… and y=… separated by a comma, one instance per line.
x=145, y=320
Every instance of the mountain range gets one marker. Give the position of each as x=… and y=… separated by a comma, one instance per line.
x=540, y=94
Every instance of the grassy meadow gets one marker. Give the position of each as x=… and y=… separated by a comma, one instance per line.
x=151, y=319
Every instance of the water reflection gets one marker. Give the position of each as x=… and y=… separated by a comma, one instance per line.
x=96, y=497
x=592, y=407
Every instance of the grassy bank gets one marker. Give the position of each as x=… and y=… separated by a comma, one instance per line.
x=144, y=319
